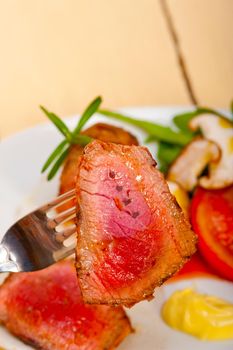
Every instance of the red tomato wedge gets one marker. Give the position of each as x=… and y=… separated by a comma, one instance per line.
x=196, y=266
x=212, y=220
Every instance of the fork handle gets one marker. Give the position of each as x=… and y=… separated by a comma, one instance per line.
x=6, y=264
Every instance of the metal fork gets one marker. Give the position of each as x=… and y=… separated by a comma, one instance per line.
x=39, y=239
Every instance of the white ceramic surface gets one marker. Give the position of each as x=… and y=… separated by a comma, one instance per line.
x=23, y=188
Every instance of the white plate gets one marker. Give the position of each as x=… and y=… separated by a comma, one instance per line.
x=23, y=189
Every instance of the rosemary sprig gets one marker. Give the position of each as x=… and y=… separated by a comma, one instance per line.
x=61, y=126
x=58, y=156
x=58, y=163
x=54, y=155
x=89, y=111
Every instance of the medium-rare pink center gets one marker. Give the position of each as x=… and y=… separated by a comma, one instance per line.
x=130, y=241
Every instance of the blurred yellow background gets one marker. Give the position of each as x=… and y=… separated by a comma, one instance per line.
x=62, y=53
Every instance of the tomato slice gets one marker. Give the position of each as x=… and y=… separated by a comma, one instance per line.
x=196, y=266
x=212, y=220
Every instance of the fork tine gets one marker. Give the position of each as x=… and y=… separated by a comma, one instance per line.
x=61, y=218
x=59, y=200
x=63, y=235
x=64, y=252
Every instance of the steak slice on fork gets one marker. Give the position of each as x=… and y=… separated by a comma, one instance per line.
x=132, y=235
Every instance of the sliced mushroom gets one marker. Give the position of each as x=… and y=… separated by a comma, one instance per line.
x=220, y=131
x=188, y=166
x=181, y=196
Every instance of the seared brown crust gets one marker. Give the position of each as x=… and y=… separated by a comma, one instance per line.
x=100, y=131
x=44, y=309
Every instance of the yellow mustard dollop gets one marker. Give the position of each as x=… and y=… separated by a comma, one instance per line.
x=205, y=317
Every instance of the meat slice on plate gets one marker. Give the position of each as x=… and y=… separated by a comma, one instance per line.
x=45, y=309
x=132, y=235
x=100, y=131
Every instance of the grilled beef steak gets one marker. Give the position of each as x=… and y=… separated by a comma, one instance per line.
x=132, y=235
x=45, y=309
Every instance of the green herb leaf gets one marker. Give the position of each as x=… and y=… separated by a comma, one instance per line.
x=168, y=153
x=150, y=139
x=54, y=155
x=61, y=126
x=162, y=133
x=58, y=156
x=89, y=111
x=58, y=163
x=182, y=120
x=82, y=140
x=163, y=167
